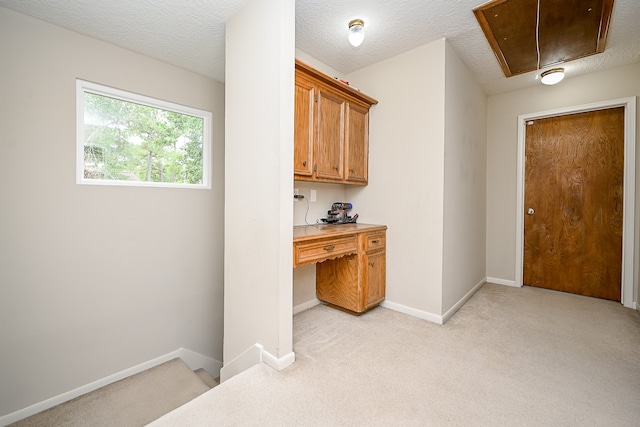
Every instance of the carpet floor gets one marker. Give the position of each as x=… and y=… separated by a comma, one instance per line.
x=131, y=402
x=510, y=356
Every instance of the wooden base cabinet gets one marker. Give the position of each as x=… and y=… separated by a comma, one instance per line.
x=355, y=283
x=375, y=278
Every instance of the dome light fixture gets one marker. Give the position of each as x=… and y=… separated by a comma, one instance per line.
x=552, y=76
x=356, y=32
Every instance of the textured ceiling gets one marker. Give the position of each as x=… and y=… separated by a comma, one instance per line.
x=191, y=33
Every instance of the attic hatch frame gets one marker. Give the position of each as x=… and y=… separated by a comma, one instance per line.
x=565, y=30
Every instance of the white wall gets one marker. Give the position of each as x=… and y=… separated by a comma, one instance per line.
x=318, y=65
x=326, y=195
x=464, y=182
x=502, y=140
x=259, y=179
x=406, y=171
x=95, y=279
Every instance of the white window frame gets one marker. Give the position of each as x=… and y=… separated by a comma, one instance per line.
x=83, y=87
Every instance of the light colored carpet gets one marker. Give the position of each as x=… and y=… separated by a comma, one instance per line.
x=509, y=357
x=206, y=378
x=133, y=401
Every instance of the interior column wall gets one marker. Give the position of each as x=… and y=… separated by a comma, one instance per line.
x=465, y=177
x=406, y=173
x=259, y=179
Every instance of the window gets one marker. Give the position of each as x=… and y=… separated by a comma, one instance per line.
x=129, y=139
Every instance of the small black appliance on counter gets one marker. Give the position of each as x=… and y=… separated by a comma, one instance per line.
x=338, y=214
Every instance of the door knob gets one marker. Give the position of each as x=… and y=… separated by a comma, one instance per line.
x=530, y=211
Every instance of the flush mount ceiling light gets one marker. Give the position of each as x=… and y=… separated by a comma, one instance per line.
x=553, y=76
x=356, y=32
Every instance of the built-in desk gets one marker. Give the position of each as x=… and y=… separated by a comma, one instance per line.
x=351, y=263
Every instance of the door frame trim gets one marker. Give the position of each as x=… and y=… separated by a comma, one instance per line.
x=628, y=210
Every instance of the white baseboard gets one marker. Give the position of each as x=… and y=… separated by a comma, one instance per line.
x=252, y=356
x=191, y=358
x=278, y=364
x=197, y=361
x=420, y=314
x=305, y=306
x=463, y=300
x=502, y=282
x=434, y=318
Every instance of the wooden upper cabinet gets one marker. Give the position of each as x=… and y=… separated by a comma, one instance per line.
x=357, y=143
x=331, y=138
x=303, y=127
x=330, y=143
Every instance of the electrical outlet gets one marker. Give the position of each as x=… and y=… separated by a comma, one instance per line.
x=313, y=196
x=295, y=193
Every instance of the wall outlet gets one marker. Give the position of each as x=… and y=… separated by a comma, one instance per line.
x=313, y=196
x=295, y=193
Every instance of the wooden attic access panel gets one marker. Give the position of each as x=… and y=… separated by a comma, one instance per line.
x=567, y=30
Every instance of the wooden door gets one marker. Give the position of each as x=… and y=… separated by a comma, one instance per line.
x=357, y=143
x=573, y=203
x=330, y=143
x=304, y=102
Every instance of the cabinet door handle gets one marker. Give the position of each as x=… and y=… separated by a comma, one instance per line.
x=337, y=168
x=353, y=170
x=375, y=242
x=304, y=163
x=329, y=248
x=373, y=264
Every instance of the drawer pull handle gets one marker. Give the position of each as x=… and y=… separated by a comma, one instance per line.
x=329, y=248
x=375, y=242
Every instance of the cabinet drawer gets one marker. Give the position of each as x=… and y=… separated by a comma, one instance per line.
x=375, y=241
x=321, y=250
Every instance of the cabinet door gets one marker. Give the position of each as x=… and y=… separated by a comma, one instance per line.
x=375, y=278
x=303, y=130
x=357, y=143
x=338, y=283
x=330, y=142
